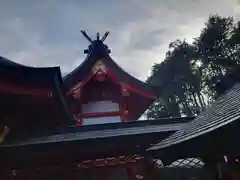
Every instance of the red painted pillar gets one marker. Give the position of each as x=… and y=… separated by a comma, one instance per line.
x=131, y=173
x=150, y=169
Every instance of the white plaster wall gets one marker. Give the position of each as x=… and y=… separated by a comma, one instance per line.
x=101, y=120
x=100, y=106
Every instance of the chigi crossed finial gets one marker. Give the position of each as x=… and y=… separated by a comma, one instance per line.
x=98, y=39
x=98, y=36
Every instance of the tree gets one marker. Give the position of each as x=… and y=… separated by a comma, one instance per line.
x=216, y=49
x=193, y=73
x=179, y=83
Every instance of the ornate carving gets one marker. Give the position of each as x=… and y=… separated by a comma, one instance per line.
x=100, y=70
x=99, y=66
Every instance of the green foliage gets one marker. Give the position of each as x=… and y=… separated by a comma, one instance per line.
x=192, y=73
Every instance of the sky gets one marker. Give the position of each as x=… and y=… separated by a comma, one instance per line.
x=47, y=32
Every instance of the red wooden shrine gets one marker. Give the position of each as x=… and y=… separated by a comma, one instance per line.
x=100, y=94
x=81, y=126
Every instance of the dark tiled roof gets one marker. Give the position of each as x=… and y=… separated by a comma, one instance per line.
x=36, y=76
x=225, y=110
x=130, y=124
x=97, y=52
x=108, y=130
x=7, y=62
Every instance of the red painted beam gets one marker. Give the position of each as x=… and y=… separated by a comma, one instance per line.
x=131, y=88
x=21, y=90
x=106, y=162
x=75, y=88
x=75, y=91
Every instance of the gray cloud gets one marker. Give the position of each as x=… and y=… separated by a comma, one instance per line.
x=46, y=33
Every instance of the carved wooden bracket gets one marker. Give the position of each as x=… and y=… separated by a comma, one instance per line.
x=99, y=70
x=125, y=91
x=99, y=66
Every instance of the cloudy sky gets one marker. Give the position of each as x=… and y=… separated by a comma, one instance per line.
x=47, y=32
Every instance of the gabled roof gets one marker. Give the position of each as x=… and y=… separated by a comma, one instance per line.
x=6, y=62
x=33, y=76
x=29, y=90
x=99, y=51
x=224, y=111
